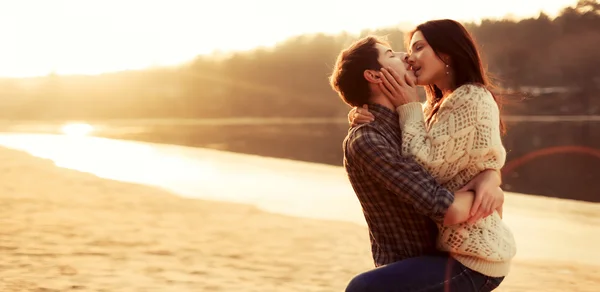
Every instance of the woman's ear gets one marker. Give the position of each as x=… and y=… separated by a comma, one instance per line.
x=372, y=76
x=446, y=59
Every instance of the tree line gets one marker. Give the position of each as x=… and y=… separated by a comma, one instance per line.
x=555, y=63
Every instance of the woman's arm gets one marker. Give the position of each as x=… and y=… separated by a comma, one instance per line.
x=466, y=131
x=357, y=116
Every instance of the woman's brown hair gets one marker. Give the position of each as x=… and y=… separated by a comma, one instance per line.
x=450, y=38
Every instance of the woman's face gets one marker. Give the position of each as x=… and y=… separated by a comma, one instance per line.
x=428, y=67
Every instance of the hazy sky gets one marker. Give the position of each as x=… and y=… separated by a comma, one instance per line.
x=93, y=36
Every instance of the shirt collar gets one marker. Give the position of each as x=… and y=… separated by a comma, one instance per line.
x=384, y=114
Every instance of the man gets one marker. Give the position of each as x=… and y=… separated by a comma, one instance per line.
x=401, y=202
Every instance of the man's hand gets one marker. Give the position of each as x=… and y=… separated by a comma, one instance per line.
x=398, y=89
x=488, y=194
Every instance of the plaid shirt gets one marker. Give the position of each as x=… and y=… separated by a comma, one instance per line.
x=401, y=201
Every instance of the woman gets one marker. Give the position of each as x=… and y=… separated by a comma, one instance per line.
x=456, y=136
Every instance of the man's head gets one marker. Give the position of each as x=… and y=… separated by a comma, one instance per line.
x=356, y=76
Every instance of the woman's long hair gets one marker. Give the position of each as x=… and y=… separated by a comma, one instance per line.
x=452, y=39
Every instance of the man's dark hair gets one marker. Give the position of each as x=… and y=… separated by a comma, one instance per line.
x=348, y=78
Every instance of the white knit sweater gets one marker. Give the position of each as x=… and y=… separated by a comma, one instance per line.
x=462, y=140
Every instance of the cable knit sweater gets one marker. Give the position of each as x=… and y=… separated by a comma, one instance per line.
x=462, y=140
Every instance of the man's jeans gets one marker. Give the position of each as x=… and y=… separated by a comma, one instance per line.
x=423, y=274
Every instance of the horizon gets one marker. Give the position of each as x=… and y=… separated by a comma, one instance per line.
x=93, y=37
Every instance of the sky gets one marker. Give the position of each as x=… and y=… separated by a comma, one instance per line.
x=94, y=36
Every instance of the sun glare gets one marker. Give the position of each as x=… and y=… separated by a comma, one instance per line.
x=77, y=129
x=134, y=39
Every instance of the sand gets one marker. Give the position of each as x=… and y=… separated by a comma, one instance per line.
x=63, y=230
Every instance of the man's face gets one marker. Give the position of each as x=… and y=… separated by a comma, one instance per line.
x=395, y=60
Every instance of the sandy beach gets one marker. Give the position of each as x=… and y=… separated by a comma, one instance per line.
x=63, y=230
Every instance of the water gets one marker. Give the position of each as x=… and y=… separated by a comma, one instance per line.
x=550, y=156
x=276, y=185
x=546, y=229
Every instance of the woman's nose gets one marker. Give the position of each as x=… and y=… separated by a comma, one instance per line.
x=409, y=59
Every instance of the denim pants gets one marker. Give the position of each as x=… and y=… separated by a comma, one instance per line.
x=423, y=274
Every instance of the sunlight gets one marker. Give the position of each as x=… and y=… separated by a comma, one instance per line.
x=293, y=188
x=134, y=39
x=77, y=129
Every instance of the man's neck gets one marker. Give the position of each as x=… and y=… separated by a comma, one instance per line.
x=382, y=101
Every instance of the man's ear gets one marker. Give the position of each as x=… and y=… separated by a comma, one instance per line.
x=372, y=76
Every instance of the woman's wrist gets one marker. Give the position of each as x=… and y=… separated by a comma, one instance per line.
x=412, y=111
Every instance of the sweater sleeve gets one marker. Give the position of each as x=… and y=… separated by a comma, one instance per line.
x=465, y=134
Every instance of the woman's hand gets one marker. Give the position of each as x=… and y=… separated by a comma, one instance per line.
x=358, y=116
x=398, y=89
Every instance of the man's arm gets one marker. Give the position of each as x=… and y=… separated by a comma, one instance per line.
x=459, y=211
x=400, y=175
x=489, y=196
x=487, y=183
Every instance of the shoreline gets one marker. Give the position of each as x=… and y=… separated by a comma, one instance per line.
x=321, y=144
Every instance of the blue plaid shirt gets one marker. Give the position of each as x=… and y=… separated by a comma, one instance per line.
x=401, y=201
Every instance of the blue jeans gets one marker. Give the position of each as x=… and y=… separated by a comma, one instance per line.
x=423, y=274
